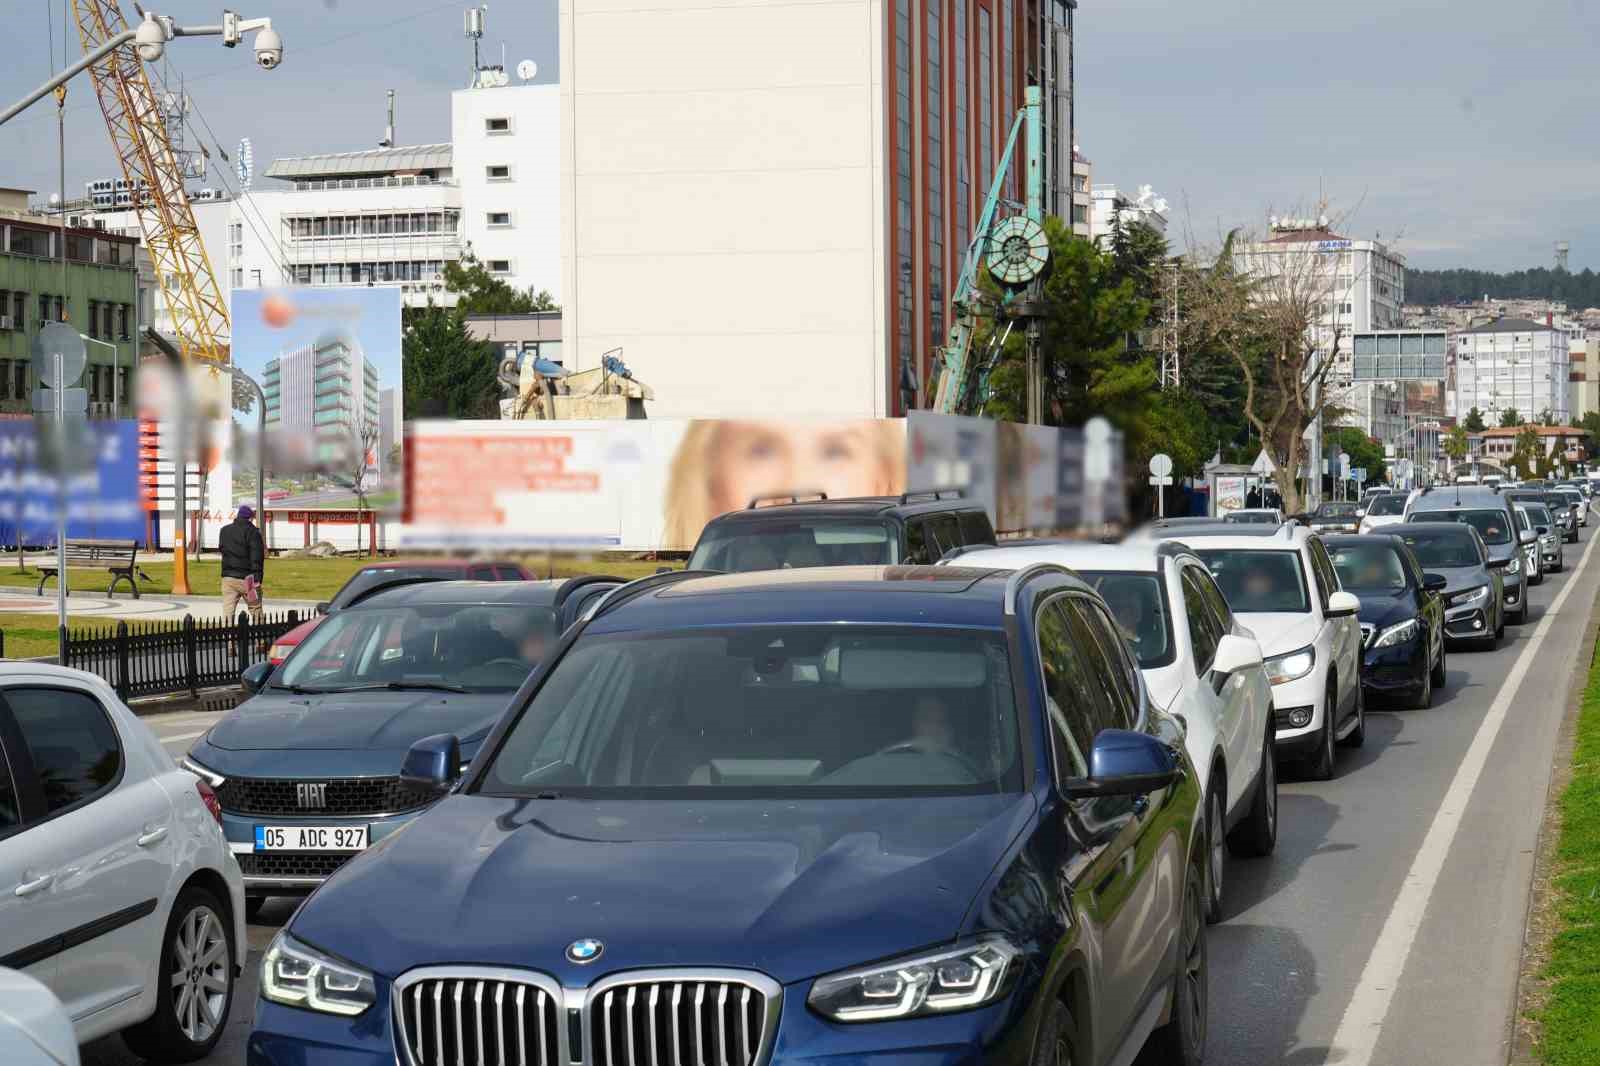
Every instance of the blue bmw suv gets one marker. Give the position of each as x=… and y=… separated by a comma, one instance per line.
x=838, y=813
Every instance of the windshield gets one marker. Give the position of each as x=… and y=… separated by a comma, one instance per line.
x=374, y=576
x=1140, y=609
x=1493, y=525
x=1443, y=549
x=1390, y=503
x=1257, y=581
x=1266, y=518
x=769, y=711
x=1369, y=567
x=472, y=648
x=737, y=547
x=1338, y=510
x=1540, y=515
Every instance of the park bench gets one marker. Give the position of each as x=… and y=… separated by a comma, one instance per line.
x=118, y=557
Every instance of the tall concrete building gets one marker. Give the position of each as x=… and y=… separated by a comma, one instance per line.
x=773, y=200
x=1515, y=364
x=327, y=391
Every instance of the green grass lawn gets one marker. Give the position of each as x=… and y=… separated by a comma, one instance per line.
x=29, y=636
x=1571, y=1019
x=293, y=579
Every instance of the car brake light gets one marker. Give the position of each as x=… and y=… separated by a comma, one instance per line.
x=208, y=796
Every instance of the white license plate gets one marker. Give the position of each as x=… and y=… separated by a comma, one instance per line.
x=311, y=838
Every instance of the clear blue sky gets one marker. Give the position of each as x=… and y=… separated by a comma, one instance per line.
x=1461, y=130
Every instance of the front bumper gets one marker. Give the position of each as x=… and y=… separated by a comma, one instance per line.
x=296, y=873
x=1306, y=692
x=1467, y=623
x=1396, y=668
x=1550, y=550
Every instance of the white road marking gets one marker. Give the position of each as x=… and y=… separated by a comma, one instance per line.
x=183, y=736
x=1362, y=1024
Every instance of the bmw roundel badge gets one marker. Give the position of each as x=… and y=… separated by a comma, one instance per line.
x=584, y=951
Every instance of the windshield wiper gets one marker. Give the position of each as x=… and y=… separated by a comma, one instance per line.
x=301, y=690
x=405, y=686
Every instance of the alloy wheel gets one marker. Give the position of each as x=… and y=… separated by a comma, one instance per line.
x=200, y=978
x=1269, y=781
x=1217, y=848
x=1194, y=971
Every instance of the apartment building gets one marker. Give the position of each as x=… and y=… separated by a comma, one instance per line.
x=1514, y=364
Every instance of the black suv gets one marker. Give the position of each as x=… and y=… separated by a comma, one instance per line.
x=914, y=528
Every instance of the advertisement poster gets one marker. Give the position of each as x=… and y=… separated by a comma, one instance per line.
x=1230, y=494
x=959, y=452
x=102, y=502
x=635, y=485
x=327, y=361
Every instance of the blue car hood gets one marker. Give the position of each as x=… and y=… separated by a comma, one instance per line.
x=793, y=888
x=1384, y=609
x=386, y=722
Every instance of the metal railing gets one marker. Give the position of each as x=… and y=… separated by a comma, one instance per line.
x=167, y=657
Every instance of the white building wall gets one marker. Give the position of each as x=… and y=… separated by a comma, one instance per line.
x=725, y=224
x=1527, y=371
x=530, y=194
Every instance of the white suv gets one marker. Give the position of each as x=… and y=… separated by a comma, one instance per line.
x=1282, y=585
x=117, y=889
x=1198, y=663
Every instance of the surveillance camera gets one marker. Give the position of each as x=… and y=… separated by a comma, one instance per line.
x=269, y=49
x=150, y=40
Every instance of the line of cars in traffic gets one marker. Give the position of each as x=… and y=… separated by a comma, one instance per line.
x=823, y=798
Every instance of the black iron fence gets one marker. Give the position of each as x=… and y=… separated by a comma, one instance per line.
x=159, y=658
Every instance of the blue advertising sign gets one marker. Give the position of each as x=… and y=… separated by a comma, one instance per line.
x=100, y=503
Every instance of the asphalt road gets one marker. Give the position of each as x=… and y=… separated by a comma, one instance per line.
x=1387, y=928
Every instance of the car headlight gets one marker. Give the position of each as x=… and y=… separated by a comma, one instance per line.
x=209, y=776
x=299, y=976
x=1471, y=598
x=1396, y=634
x=1291, y=666
x=1514, y=567
x=918, y=985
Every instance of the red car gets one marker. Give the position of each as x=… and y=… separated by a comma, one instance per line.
x=393, y=572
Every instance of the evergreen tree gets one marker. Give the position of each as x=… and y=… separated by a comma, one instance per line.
x=445, y=373
x=1474, y=421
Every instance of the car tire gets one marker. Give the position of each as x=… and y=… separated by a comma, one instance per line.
x=1057, y=1044
x=1422, y=698
x=1182, y=1041
x=1216, y=852
x=198, y=953
x=1439, y=672
x=1257, y=835
x=1358, y=735
x=1323, y=762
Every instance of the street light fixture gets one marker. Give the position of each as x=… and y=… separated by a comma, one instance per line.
x=150, y=44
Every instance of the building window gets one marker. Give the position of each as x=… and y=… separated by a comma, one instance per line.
x=499, y=219
x=497, y=172
x=19, y=310
x=499, y=266
x=94, y=318
x=1008, y=77
x=497, y=125
x=962, y=175
x=985, y=98
x=60, y=309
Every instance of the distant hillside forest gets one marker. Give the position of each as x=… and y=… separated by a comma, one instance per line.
x=1433, y=287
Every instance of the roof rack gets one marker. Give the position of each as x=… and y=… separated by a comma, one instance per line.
x=1020, y=577
x=788, y=497
x=573, y=584
x=623, y=593
x=932, y=494
x=1286, y=531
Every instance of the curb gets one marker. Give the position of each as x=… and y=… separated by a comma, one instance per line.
x=208, y=700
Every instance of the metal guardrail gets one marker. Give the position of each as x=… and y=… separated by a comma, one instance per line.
x=168, y=657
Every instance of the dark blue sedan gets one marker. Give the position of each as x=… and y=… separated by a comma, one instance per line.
x=307, y=770
x=905, y=814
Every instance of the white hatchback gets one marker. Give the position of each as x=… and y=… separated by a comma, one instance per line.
x=117, y=889
x=1198, y=663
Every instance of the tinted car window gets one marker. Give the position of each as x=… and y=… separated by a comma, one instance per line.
x=1541, y=515
x=10, y=810
x=1203, y=635
x=741, y=547
x=919, y=545
x=1391, y=503
x=1123, y=679
x=946, y=534
x=1105, y=697
x=1255, y=580
x=73, y=744
x=1367, y=567
x=1219, y=609
x=1139, y=611
x=1066, y=684
x=1491, y=523
x=975, y=528
x=1253, y=518
x=770, y=711
x=507, y=573
x=1337, y=510
x=1327, y=578
x=1442, y=550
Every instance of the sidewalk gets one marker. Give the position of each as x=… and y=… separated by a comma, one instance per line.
x=147, y=608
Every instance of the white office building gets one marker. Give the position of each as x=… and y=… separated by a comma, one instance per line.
x=1514, y=364
x=1113, y=206
x=508, y=168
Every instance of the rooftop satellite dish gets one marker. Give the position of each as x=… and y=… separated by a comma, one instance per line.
x=527, y=69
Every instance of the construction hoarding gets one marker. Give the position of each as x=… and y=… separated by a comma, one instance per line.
x=104, y=501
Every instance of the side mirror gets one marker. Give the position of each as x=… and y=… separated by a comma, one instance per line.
x=254, y=678
x=1498, y=564
x=322, y=608
x=1342, y=605
x=1235, y=653
x=1125, y=763
x=1361, y=512
x=433, y=763
x=1543, y=530
x=1434, y=582
x=1527, y=536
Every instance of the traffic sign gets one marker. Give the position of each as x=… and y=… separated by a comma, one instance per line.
x=1160, y=465
x=59, y=338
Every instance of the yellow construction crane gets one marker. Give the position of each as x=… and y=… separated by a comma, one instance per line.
x=188, y=285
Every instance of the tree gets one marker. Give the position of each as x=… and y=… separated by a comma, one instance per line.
x=1527, y=454
x=1365, y=453
x=1474, y=421
x=1546, y=418
x=1590, y=424
x=1509, y=418
x=445, y=373
x=478, y=292
x=360, y=456
x=1455, y=444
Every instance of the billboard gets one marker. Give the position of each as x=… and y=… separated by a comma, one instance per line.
x=1398, y=355
x=328, y=363
x=103, y=502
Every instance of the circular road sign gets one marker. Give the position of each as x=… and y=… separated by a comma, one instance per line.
x=1160, y=464
x=53, y=338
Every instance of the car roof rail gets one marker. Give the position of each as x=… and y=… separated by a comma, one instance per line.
x=1021, y=577
x=931, y=494
x=573, y=584
x=786, y=497
x=623, y=593
x=1286, y=531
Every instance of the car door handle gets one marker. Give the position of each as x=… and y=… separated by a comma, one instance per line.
x=38, y=884
x=152, y=835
